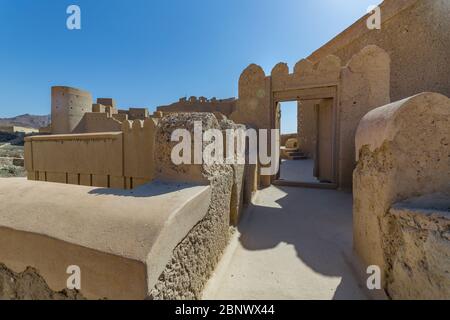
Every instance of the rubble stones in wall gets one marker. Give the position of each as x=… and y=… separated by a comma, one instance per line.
x=165, y=168
x=422, y=257
x=201, y=104
x=29, y=285
x=403, y=152
x=239, y=172
x=195, y=258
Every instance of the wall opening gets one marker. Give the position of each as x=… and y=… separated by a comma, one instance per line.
x=307, y=142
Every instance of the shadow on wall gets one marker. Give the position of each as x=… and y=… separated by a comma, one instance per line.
x=318, y=223
x=151, y=189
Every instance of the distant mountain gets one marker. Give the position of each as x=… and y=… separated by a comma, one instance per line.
x=27, y=120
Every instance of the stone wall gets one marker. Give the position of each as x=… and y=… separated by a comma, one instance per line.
x=285, y=137
x=404, y=152
x=18, y=129
x=202, y=104
x=137, y=113
x=121, y=159
x=139, y=147
x=172, y=231
x=69, y=105
x=238, y=196
x=73, y=112
x=364, y=86
x=353, y=89
x=16, y=286
x=195, y=258
x=307, y=127
x=90, y=159
x=415, y=35
x=421, y=260
x=93, y=122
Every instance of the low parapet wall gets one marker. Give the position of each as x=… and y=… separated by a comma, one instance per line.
x=403, y=150
x=113, y=159
x=121, y=240
x=161, y=240
x=83, y=159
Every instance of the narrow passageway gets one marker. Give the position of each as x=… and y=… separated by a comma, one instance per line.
x=293, y=243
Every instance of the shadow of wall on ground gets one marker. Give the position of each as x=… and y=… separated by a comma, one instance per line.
x=318, y=223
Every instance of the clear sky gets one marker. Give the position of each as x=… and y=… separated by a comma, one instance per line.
x=147, y=53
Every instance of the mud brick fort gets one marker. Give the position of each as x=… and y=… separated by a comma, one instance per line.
x=373, y=118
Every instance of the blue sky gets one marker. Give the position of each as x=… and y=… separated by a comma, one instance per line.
x=149, y=52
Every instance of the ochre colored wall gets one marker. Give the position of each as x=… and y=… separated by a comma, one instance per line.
x=111, y=159
x=415, y=34
x=403, y=150
x=307, y=130
x=364, y=87
x=93, y=122
x=139, y=146
x=194, y=104
x=103, y=275
x=68, y=108
x=358, y=87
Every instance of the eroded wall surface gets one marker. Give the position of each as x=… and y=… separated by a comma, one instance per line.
x=201, y=104
x=195, y=258
x=187, y=241
x=16, y=286
x=421, y=262
x=415, y=35
x=404, y=152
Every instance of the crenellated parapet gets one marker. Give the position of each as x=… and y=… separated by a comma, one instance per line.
x=145, y=238
x=120, y=158
x=305, y=73
x=139, y=145
x=343, y=94
x=74, y=112
x=256, y=89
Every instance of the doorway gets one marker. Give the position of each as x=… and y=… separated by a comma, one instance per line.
x=307, y=142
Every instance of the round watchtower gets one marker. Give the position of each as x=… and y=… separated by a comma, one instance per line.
x=68, y=108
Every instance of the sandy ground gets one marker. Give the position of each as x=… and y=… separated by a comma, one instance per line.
x=293, y=243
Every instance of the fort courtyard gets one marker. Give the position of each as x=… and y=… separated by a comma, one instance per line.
x=172, y=204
